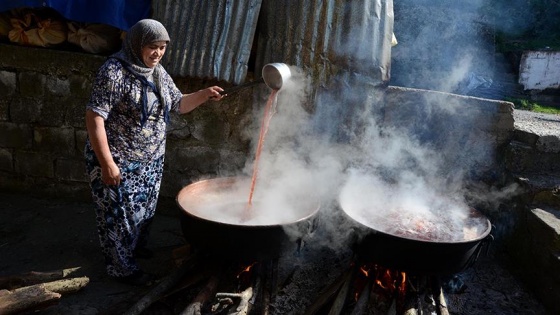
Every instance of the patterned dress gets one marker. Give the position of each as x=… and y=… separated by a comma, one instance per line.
x=137, y=144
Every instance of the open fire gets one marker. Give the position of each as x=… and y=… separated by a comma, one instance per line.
x=213, y=285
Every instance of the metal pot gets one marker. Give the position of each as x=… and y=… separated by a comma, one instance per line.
x=414, y=255
x=214, y=235
x=273, y=75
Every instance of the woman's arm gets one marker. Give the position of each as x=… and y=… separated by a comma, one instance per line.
x=193, y=100
x=110, y=173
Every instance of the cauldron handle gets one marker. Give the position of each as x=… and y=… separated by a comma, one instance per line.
x=474, y=257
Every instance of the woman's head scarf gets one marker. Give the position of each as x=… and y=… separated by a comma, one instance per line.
x=143, y=33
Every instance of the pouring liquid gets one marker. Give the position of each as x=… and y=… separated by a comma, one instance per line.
x=269, y=111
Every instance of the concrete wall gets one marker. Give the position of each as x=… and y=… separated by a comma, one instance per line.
x=539, y=70
x=43, y=94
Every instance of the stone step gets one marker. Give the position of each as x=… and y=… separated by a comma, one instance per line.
x=543, y=251
x=544, y=227
x=522, y=158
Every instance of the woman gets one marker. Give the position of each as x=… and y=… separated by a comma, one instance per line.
x=126, y=120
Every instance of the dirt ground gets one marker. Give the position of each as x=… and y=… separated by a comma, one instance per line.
x=45, y=235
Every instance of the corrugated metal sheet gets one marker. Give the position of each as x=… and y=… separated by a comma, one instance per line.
x=327, y=36
x=210, y=39
x=323, y=37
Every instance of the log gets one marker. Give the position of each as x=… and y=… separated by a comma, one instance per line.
x=244, y=305
x=38, y=295
x=203, y=296
x=326, y=295
x=340, y=301
x=439, y=298
x=65, y=286
x=268, y=289
x=11, y=282
x=361, y=305
x=26, y=299
x=159, y=290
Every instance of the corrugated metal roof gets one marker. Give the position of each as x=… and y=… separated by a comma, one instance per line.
x=326, y=36
x=323, y=37
x=209, y=38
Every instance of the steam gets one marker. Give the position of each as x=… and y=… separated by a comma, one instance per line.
x=343, y=153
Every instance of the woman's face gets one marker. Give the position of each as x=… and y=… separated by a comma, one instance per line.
x=153, y=52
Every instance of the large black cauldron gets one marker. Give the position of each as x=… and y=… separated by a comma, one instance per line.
x=212, y=222
x=415, y=255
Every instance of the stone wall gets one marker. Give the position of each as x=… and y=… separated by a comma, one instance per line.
x=43, y=93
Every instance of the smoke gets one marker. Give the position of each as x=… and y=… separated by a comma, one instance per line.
x=346, y=154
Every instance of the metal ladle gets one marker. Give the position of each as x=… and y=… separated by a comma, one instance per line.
x=273, y=75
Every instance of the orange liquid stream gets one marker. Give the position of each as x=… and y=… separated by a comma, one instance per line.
x=268, y=113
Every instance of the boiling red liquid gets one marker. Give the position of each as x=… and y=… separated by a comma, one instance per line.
x=269, y=111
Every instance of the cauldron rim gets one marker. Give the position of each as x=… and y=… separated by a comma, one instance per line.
x=227, y=224
x=479, y=237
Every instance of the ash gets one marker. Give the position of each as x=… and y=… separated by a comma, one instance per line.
x=303, y=274
x=485, y=288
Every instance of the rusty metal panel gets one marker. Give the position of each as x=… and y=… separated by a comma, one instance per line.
x=325, y=37
x=210, y=39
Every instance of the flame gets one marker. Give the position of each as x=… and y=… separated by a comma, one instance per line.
x=386, y=281
x=402, y=284
x=365, y=270
x=245, y=270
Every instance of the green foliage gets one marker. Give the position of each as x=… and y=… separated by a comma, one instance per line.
x=525, y=104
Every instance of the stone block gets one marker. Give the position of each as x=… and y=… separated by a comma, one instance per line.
x=202, y=159
x=172, y=182
x=25, y=110
x=55, y=61
x=8, y=84
x=6, y=160
x=32, y=84
x=53, y=113
x=548, y=143
x=81, y=137
x=525, y=137
x=80, y=86
x=57, y=86
x=4, y=109
x=70, y=170
x=15, y=135
x=59, y=141
x=521, y=158
x=544, y=249
x=207, y=127
x=76, y=112
x=34, y=164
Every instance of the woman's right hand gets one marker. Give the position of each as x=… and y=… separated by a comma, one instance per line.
x=111, y=175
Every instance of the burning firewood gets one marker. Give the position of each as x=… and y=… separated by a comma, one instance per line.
x=244, y=306
x=204, y=295
x=439, y=297
x=361, y=304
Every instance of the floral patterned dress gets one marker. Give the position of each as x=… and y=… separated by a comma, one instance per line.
x=124, y=212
